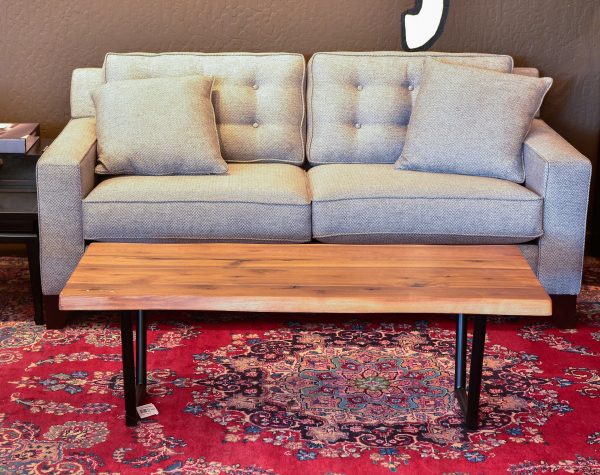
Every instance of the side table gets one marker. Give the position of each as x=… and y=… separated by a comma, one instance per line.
x=18, y=212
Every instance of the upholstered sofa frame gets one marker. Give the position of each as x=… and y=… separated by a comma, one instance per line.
x=319, y=142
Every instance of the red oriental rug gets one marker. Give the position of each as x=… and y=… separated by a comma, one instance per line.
x=262, y=394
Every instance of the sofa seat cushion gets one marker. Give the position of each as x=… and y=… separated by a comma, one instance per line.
x=253, y=202
x=373, y=203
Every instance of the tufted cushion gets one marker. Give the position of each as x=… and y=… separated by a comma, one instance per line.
x=372, y=203
x=359, y=104
x=258, y=98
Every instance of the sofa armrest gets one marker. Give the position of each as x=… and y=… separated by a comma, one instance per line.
x=555, y=170
x=65, y=175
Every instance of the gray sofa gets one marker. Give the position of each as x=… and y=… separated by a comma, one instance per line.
x=311, y=149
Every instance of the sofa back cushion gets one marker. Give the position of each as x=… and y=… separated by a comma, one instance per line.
x=359, y=104
x=258, y=98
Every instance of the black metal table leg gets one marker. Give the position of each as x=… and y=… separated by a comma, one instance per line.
x=472, y=415
x=140, y=344
x=131, y=416
x=460, y=370
x=469, y=400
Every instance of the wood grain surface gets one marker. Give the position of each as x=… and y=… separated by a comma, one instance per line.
x=311, y=278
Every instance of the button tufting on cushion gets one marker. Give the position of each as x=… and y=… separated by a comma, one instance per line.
x=383, y=108
x=279, y=107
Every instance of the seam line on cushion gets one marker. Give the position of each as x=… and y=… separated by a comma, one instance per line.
x=194, y=202
x=526, y=236
x=389, y=54
x=302, y=125
x=312, y=118
x=266, y=160
x=448, y=172
x=175, y=53
x=400, y=54
x=533, y=200
x=196, y=238
x=199, y=53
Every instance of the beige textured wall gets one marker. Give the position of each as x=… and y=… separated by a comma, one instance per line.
x=42, y=41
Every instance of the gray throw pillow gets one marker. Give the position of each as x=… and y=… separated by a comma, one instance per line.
x=159, y=126
x=471, y=121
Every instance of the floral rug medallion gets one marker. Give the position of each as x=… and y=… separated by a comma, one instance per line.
x=366, y=387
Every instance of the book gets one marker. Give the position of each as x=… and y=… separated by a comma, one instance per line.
x=18, y=138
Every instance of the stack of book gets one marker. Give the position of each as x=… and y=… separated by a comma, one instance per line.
x=18, y=138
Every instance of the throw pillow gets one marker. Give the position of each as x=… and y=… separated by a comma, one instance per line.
x=158, y=126
x=471, y=121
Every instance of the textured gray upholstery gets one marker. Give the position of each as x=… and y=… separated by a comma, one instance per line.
x=258, y=97
x=471, y=121
x=561, y=175
x=375, y=203
x=531, y=254
x=253, y=202
x=530, y=72
x=157, y=126
x=65, y=175
x=351, y=203
x=83, y=82
x=359, y=104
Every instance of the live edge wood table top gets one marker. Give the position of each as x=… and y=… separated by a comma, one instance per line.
x=317, y=278
x=305, y=278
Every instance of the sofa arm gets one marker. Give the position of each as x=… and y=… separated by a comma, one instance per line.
x=555, y=170
x=65, y=175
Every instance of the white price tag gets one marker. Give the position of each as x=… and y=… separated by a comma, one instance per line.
x=147, y=410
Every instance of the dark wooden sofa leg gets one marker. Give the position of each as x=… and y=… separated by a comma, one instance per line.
x=564, y=311
x=55, y=318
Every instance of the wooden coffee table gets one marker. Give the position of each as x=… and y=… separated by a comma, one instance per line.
x=307, y=278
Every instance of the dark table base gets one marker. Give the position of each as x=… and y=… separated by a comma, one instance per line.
x=135, y=379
